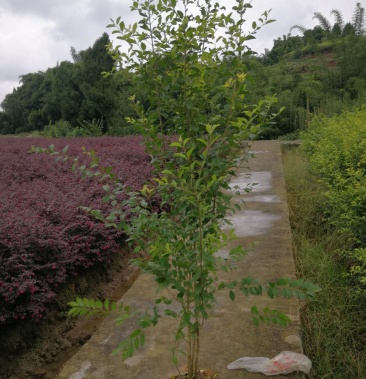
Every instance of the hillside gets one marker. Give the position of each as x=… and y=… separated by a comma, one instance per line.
x=327, y=77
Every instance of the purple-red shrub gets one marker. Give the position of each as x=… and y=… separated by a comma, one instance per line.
x=44, y=238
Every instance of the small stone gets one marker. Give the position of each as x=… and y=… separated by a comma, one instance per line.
x=293, y=340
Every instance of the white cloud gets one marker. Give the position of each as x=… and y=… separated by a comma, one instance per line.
x=28, y=44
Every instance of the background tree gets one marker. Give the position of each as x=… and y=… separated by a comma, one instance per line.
x=98, y=97
x=65, y=94
x=123, y=85
x=5, y=124
x=71, y=92
x=23, y=105
x=339, y=18
x=76, y=57
x=323, y=21
x=358, y=19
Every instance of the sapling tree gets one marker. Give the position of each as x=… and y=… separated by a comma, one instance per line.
x=188, y=56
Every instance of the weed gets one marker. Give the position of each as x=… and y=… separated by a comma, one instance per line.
x=333, y=324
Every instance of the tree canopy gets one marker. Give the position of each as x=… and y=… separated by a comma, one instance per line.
x=72, y=91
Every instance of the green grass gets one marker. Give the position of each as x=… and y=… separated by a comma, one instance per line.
x=334, y=323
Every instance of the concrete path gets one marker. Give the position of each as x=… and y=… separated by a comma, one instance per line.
x=229, y=334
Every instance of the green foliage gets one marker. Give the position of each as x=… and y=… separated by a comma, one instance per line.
x=359, y=19
x=62, y=98
x=70, y=92
x=21, y=107
x=325, y=29
x=282, y=46
x=96, y=308
x=321, y=71
x=357, y=270
x=189, y=58
x=123, y=82
x=61, y=128
x=269, y=316
x=326, y=78
x=98, y=94
x=336, y=149
x=91, y=307
x=196, y=95
x=333, y=324
x=93, y=128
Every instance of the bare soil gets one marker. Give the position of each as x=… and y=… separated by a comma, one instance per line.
x=29, y=351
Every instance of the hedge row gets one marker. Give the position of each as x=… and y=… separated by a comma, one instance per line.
x=44, y=238
x=336, y=148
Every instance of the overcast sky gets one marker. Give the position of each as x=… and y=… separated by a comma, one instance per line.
x=36, y=34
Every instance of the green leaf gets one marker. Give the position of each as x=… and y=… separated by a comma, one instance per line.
x=122, y=318
x=144, y=324
x=232, y=295
x=202, y=140
x=271, y=292
x=106, y=304
x=135, y=333
x=189, y=152
x=171, y=313
x=92, y=303
x=80, y=301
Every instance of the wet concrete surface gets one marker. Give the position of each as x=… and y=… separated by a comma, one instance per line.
x=229, y=334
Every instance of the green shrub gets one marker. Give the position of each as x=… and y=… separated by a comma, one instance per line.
x=356, y=260
x=333, y=324
x=61, y=128
x=336, y=148
x=91, y=129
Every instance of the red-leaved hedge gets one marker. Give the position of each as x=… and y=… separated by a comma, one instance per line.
x=44, y=238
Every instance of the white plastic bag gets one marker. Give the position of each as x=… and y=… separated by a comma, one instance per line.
x=283, y=363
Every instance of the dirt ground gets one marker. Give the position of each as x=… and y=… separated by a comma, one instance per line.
x=29, y=352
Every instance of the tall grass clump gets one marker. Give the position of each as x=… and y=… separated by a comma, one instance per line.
x=333, y=324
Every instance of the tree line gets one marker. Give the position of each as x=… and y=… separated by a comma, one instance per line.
x=74, y=92
x=320, y=71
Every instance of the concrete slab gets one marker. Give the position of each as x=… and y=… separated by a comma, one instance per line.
x=229, y=334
